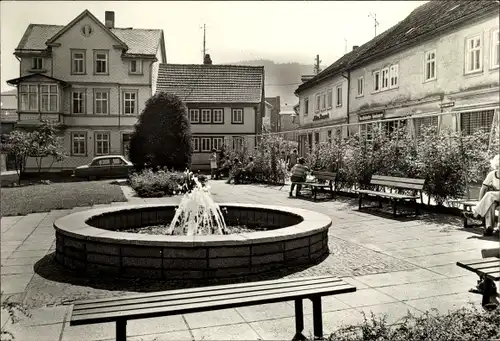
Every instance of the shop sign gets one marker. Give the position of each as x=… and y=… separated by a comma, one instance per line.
x=447, y=105
x=321, y=117
x=372, y=116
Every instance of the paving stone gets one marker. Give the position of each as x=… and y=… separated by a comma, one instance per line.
x=157, y=324
x=393, y=312
x=399, y=277
x=266, y=311
x=93, y=332
x=44, y=316
x=29, y=254
x=170, y=336
x=445, y=303
x=241, y=331
x=16, y=270
x=426, y=289
x=365, y=297
x=444, y=258
x=20, y=261
x=49, y=332
x=213, y=318
x=12, y=284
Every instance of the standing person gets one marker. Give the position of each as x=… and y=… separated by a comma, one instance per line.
x=292, y=159
x=299, y=172
x=213, y=164
x=489, y=197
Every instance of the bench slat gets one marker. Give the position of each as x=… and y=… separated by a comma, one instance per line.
x=389, y=195
x=398, y=179
x=149, y=312
x=167, y=296
x=397, y=184
x=248, y=285
x=485, y=266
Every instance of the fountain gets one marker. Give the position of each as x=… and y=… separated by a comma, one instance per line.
x=198, y=240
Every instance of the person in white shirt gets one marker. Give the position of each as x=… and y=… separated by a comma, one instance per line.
x=489, y=197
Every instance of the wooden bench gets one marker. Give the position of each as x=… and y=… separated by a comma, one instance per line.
x=316, y=186
x=184, y=301
x=468, y=208
x=488, y=269
x=397, y=183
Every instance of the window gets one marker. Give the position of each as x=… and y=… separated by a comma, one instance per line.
x=366, y=130
x=474, y=54
x=130, y=102
x=218, y=115
x=495, y=49
x=37, y=63
x=339, y=95
x=196, y=144
x=194, y=115
x=217, y=142
x=318, y=103
x=470, y=122
x=376, y=81
x=206, y=116
x=135, y=67
x=329, y=136
x=100, y=62
x=50, y=98
x=237, y=116
x=323, y=101
x=430, y=66
x=29, y=97
x=238, y=143
x=390, y=127
x=101, y=143
x=78, y=102
x=101, y=102
x=423, y=122
x=316, y=138
x=385, y=79
x=78, y=143
x=361, y=86
x=394, y=74
x=205, y=144
x=330, y=98
x=306, y=106
x=78, y=62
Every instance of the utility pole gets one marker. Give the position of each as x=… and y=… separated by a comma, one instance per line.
x=316, y=65
x=375, y=22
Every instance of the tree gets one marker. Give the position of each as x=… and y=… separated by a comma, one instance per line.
x=40, y=143
x=162, y=136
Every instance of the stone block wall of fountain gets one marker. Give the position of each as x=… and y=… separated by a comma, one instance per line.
x=91, y=241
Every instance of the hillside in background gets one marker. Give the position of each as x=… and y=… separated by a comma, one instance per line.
x=282, y=79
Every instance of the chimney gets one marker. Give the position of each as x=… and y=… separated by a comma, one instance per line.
x=207, y=60
x=355, y=47
x=109, y=19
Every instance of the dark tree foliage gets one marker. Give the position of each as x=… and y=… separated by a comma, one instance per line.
x=162, y=136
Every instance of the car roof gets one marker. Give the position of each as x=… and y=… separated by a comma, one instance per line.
x=107, y=157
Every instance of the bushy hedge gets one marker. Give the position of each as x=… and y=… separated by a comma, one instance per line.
x=149, y=184
x=447, y=160
x=466, y=324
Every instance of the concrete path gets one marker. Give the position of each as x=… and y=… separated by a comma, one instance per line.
x=397, y=266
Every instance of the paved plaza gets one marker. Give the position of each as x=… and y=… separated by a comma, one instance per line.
x=396, y=266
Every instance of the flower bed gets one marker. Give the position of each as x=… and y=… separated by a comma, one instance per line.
x=149, y=184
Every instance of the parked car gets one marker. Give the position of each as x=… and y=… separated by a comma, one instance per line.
x=109, y=166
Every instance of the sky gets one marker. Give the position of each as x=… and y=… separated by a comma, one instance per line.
x=282, y=31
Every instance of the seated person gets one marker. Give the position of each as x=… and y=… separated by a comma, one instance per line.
x=249, y=168
x=489, y=198
x=235, y=171
x=225, y=168
x=299, y=173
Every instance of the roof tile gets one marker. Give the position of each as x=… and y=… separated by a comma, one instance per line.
x=212, y=83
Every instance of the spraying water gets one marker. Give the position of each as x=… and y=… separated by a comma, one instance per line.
x=197, y=214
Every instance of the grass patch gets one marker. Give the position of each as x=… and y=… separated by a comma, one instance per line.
x=44, y=198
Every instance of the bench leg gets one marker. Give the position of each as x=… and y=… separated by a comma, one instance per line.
x=416, y=208
x=315, y=192
x=394, y=204
x=360, y=200
x=121, y=330
x=317, y=318
x=489, y=293
x=299, y=317
x=379, y=202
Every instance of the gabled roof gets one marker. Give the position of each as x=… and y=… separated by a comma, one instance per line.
x=139, y=41
x=430, y=18
x=20, y=79
x=93, y=18
x=212, y=83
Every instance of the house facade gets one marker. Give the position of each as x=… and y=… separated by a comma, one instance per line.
x=439, y=66
x=226, y=104
x=90, y=77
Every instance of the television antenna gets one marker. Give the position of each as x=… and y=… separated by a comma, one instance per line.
x=375, y=21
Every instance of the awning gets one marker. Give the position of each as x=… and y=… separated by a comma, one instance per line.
x=16, y=81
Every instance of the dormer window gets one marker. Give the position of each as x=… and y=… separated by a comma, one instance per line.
x=135, y=67
x=37, y=63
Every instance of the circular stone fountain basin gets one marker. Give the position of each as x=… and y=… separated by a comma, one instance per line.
x=91, y=242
